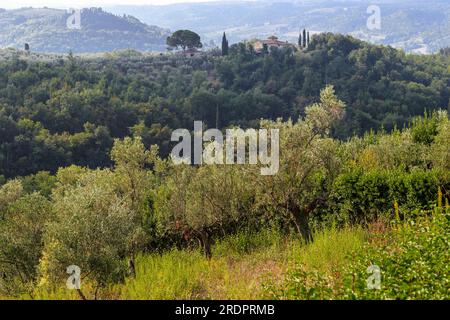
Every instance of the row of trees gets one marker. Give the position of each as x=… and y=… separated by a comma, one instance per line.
x=100, y=219
x=303, y=39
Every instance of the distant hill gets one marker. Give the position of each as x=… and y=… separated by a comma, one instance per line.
x=45, y=30
x=414, y=25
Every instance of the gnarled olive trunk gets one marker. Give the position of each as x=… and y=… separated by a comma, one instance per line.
x=300, y=219
x=132, y=266
x=205, y=239
x=301, y=215
x=302, y=225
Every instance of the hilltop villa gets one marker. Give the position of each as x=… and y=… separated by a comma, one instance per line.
x=271, y=42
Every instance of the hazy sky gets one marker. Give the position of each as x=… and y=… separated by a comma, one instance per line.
x=84, y=3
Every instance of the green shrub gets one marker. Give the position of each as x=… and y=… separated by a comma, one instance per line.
x=361, y=196
x=422, y=187
x=413, y=260
x=414, y=263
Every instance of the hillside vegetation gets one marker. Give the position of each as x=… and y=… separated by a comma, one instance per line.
x=136, y=229
x=363, y=178
x=68, y=110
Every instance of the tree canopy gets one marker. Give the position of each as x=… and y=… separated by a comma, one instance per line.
x=186, y=39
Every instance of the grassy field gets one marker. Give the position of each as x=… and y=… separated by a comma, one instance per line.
x=267, y=265
x=240, y=266
x=235, y=272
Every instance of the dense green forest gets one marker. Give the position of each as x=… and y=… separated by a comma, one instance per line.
x=68, y=111
x=364, y=176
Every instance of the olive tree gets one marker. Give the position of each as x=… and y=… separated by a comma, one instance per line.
x=309, y=162
x=134, y=179
x=91, y=230
x=201, y=201
x=97, y=223
x=132, y=168
x=22, y=225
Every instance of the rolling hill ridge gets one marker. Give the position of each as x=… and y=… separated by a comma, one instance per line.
x=46, y=30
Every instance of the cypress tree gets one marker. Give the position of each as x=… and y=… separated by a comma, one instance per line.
x=307, y=40
x=300, y=39
x=224, y=45
x=304, y=38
